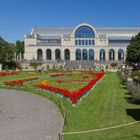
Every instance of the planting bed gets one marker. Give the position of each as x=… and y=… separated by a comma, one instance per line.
x=70, y=85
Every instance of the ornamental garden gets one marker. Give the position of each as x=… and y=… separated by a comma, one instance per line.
x=86, y=99
x=71, y=85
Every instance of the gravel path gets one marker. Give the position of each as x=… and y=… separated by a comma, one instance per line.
x=25, y=116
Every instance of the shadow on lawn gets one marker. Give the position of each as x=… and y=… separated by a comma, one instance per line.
x=131, y=100
x=135, y=113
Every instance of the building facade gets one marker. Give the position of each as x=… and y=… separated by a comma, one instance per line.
x=82, y=43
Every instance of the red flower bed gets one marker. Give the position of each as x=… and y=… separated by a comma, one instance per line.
x=19, y=82
x=56, y=75
x=59, y=81
x=73, y=96
x=8, y=73
x=85, y=77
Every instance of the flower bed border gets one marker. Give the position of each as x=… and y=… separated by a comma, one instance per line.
x=19, y=82
x=2, y=74
x=72, y=97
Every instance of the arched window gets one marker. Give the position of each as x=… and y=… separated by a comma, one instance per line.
x=86, y=42
x=78, y=54
x=76, y=42
x=102, y=54
x=83, y=42
x=120, y=54
x=89, y=42
x=79, y=42
x=39, y=54
x=111, y=54
x=84, y=32
x=57, y=54
x=91, y=55
x=67, y=54
x=93, y=42
x=84, y=54
x=48, y=54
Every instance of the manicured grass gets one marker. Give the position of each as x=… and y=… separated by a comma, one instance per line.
x=72, y=80
x=105, y=106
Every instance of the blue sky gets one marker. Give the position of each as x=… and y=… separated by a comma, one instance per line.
x=18, y=17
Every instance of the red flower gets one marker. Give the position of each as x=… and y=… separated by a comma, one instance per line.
x=19, y=82
x=73, y=96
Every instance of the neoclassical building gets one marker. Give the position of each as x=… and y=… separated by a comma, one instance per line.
x=82, y=43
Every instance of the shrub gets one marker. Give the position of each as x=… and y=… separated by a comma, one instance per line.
x=34, y=64
x=114, y=65
x=135, y=91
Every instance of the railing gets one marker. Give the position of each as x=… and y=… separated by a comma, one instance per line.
x=97, y=130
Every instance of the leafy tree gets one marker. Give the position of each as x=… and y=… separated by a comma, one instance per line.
x=133, y=50
x=19, y=46
x=6, y=52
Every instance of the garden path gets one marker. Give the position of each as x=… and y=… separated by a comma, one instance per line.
x=25, y=116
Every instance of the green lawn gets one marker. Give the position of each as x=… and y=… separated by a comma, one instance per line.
x=105, y=106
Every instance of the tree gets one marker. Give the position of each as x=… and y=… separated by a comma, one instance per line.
x=133, y=50
x=19, y=49
x=8, y=51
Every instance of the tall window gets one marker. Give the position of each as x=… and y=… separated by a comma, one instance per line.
x=79, y=42
x=76, y=42
x=102, y=54
x=111, y=54
x=83, y=42
x=93, y=42
x=86, y=42
x=89, y=42
x=84, y=32
x=120, y=54
x=57, y=54
x=78, y=54
x=91, y=55
x=67, y=54
x=84, y=54
x=39, y=54
x=48, y=54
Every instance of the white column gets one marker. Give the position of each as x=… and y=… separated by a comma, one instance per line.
x=116, y=55
x=96, y=54
x=72, y=54
x=53, y=54
x=44, y=54
x=62, y=54
x=107, y=54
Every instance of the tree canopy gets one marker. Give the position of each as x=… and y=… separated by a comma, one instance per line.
x=10, y=53
x=19, y=46
x=133, y=50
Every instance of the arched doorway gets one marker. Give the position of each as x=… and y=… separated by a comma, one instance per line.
x=67, y=54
